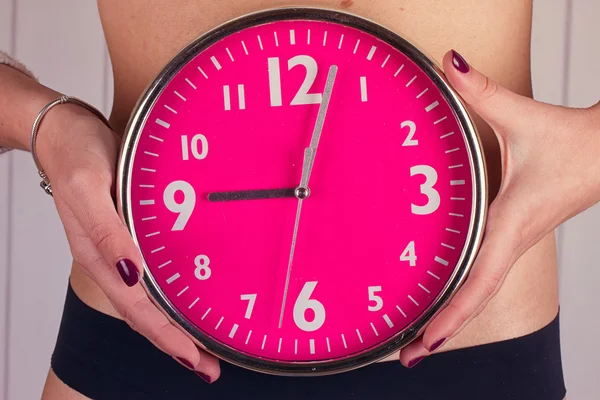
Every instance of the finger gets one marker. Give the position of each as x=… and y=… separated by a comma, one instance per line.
x=497, y=105
x=107, y=243
x=487, y=275
x=414, y=353
x=89, y=198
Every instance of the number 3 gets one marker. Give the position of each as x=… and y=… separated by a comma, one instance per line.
x=433, y=197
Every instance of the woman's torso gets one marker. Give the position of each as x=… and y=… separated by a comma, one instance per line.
x=143, y=35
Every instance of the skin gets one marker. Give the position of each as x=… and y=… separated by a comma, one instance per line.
x=513, y=288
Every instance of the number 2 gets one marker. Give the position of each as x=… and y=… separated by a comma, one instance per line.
x=412, y=128
x=302, y=96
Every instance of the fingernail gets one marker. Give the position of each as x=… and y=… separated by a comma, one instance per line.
x=415, y=361
x=128, y=272
x=185, y=362
x=437, y=344
x=205, y=377
x=459, y=62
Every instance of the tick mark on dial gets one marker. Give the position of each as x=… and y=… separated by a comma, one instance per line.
x=325, y=38
x=398, y=71
x=388, y=321
x=432, y=106
x=457, y=182
x=341, y=41
x=446, y=135
x=203, y=73
x=276, y=39
x=245, y=48
x=206, y=313
x=190, y=83
x=413, y=300
x=183, y=291
x=401, y=311
x=356, y=46
x=452, y=230
x=146, y=202
x=292, y=37
x=148, y=169
x=233, y=331
x=216, y=63
x=193, y=303
x=344, y=341
x=456, y=215
x=411, y=81
x=248, y=337
x=386, y=60
x=311, y=345
x=153, y=234
x=440, y=120
x=434, y=275
x=170, y=109
x=148, y=218
x=173, y=278
x=279, y=346
x=229, y=54
x=441, y=261
x=179, y=94
x=455, y=166
x=328, y=345
x=422, y=93
x=359, y=336
x=158, y=249
x=374, y=330
x=162, y=123
x=156, y=138
x=371, y=53
x=424, y=288
x=457, y=198
x=262, y=347
x=260, y=42
x=452, y=150
x=165, y=264
x=448, y=246
x=219, y=323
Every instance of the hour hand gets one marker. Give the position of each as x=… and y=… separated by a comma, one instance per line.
x=251, y=194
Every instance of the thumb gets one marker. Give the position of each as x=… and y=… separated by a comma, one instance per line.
x=501, y=108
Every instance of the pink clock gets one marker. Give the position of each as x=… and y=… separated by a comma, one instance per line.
x=305, y=189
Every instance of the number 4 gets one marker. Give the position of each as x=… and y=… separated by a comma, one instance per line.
x=409, y=254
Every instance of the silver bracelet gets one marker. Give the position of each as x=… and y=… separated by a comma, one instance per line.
x=45, y=183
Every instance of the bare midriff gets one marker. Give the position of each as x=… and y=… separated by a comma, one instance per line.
x=143, y=35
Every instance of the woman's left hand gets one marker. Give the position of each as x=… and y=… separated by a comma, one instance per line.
x=550, y=173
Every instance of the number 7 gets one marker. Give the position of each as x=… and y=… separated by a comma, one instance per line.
x=251, y=300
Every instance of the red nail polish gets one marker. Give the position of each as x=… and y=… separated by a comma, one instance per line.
x=415, y=361
x=185, y=362
x=128, y=272
x=205, y=377
x=437, y=344
x=459, y=63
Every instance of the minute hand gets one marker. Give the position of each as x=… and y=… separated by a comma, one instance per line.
x=314, y=141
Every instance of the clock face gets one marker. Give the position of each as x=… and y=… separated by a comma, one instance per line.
x=265, y=278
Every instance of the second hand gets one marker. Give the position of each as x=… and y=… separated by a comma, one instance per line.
x=302, y=191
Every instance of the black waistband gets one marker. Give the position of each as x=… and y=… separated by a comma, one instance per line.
x=102, y=358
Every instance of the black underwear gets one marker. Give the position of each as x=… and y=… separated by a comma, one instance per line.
x=102, y=358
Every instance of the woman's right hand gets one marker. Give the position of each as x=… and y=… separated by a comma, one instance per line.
x=79, y=154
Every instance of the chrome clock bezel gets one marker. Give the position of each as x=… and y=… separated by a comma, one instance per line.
x=477, y=164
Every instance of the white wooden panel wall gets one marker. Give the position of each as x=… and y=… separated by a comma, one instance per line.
x=6, y=42
x=579, y=246
x=62, y=42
